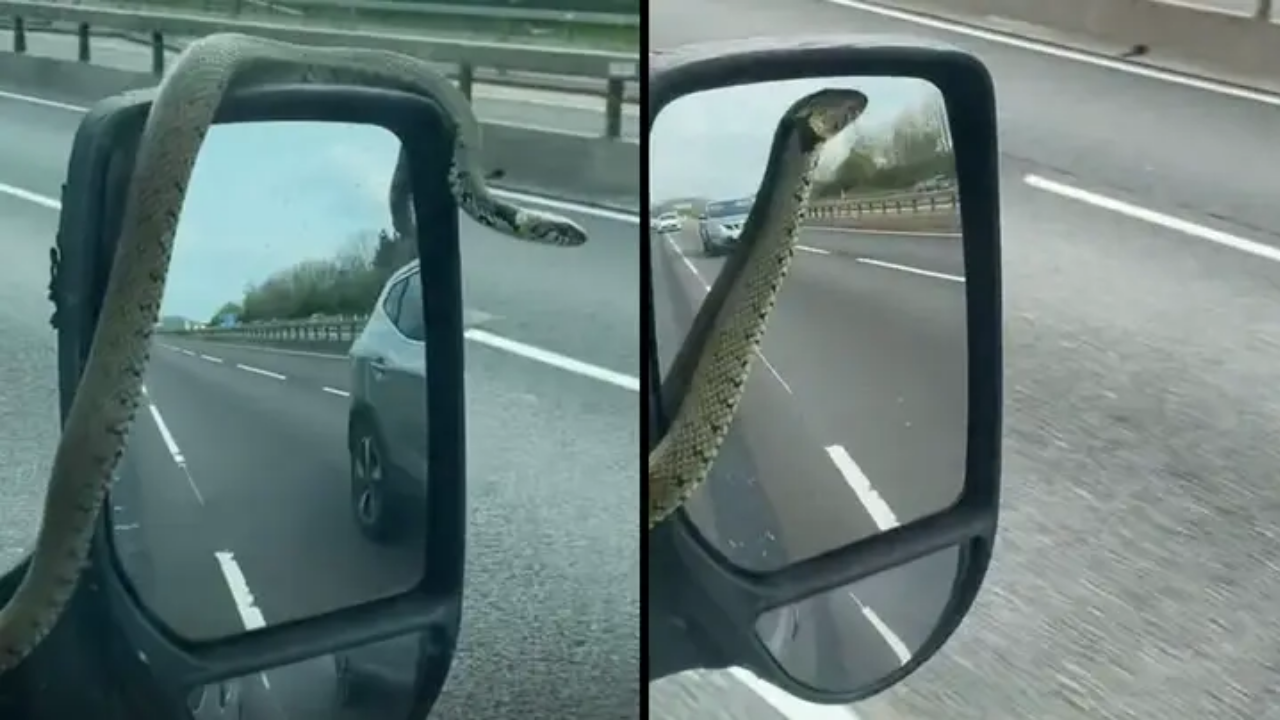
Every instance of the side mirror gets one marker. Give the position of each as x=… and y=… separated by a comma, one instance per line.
x=845, y=488
x=285, y=509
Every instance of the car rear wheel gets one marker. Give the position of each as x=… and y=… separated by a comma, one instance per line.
x=370, y=503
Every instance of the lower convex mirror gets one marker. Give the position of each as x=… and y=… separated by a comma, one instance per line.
x=368, y=682
x=277, y=470
x=852, y=637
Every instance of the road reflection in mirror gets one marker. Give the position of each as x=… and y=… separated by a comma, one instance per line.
x=855, y=414
x=276, y=470
x=852, y=637
x=371, y=682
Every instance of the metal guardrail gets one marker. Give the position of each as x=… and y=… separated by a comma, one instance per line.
x=464, y=57
x=429, y=10
x=888, y=204
x=333, y=332
x=382, y=10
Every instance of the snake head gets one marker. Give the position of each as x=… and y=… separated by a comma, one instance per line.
x=824, y=114
x=550, y=229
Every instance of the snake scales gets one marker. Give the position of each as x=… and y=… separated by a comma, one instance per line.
x=717, y=372
x=183, y=109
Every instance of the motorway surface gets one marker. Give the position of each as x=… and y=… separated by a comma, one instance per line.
x=560, y=111
x=863, y=377
x=853, y=423
x=1135, y=574
x=1234, y=7
x=251, y=521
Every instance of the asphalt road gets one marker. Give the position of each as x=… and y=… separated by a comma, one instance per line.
x=560, y=111
x=852, y=423
x=854, y=420
x=1134, y=576
x=1235, y=7
x=250, y=521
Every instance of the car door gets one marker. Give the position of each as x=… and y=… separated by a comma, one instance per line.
x=406, y=381
x=371, y=351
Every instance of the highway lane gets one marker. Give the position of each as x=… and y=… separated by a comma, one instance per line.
x=1133, y=577
x=559, y=111
x=553, y=579
x=264, y=460
x=29, y=401
x=929, y=254
x=865, y=358
x=852, y=423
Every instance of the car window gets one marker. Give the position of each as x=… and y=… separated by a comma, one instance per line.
x=391, y=304
x=726, y=208
x=409, y=320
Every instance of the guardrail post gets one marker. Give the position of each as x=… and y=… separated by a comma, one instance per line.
x=1263, y=11
x=466, y=78
x=19, y=35
x=157, y=54
x=614, y=94
x=614, y=89
x=82, y=34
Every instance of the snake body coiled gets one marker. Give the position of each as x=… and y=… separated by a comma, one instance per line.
x=95, y=434
x=718, y=371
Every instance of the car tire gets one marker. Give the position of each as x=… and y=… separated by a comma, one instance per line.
x=371, y=507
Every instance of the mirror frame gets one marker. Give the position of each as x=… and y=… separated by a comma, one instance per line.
x=702, y=610
x=99, y=169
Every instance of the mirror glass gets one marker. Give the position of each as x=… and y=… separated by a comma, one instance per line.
x=855, y=412
x=847, y=639
x=372, y=681
x=276, y=469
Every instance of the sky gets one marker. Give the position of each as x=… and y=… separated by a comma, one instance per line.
x=715, y=144
x=265, y=196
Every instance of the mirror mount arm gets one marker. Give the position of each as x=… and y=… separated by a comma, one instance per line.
x=675, y=644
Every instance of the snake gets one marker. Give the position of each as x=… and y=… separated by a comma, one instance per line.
x=712, y=367
x=183, y=108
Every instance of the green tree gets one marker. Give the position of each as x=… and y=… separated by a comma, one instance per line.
x=345, y=285
x=228, y=309
x=916, y=146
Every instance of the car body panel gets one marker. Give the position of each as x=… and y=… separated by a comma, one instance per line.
x=389, y=376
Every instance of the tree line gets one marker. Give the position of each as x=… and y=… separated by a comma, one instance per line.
x=915, y=147
x=346, y=285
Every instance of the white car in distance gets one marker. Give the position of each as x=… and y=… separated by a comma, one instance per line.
x=668, y=223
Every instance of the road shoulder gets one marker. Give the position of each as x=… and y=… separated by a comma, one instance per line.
x=1198, y=43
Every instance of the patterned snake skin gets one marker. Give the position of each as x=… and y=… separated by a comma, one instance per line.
x=96, y=431
x=684, y=456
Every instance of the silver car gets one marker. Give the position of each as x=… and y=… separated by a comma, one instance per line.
x=721, y=224
x=387, y=423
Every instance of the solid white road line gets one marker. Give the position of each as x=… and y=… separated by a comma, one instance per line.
x=1063, y=53
x=1168, y=222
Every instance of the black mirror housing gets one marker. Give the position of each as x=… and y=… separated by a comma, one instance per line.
x=701, y=610
x=93, y=199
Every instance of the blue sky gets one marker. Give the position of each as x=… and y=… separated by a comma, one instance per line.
x=267, y=195
x=715, y=143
